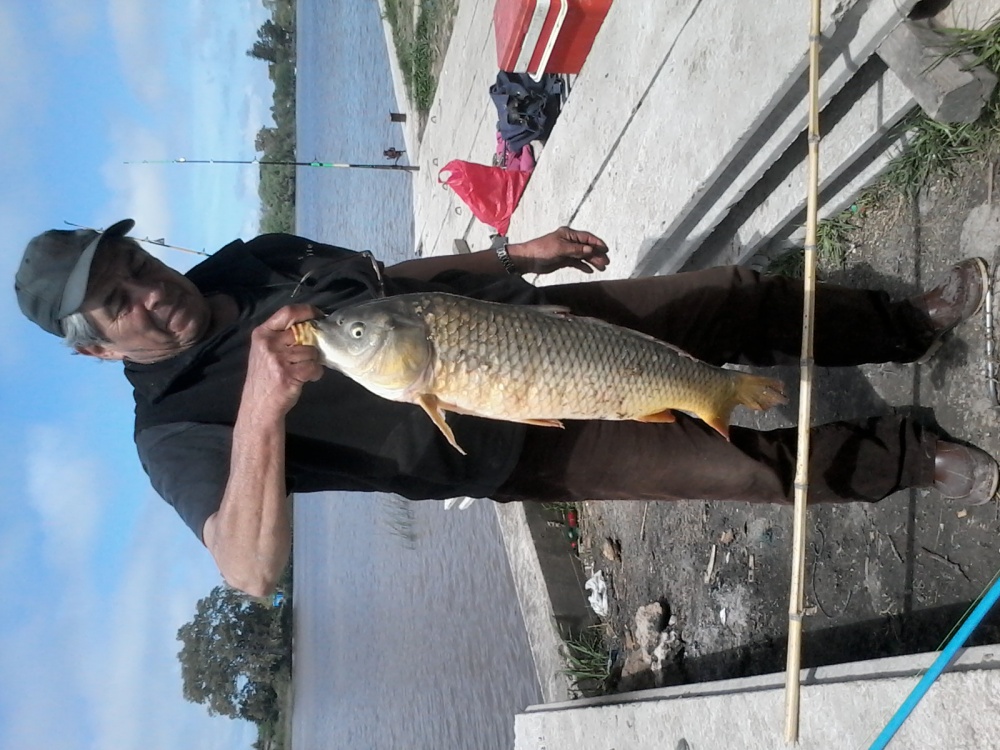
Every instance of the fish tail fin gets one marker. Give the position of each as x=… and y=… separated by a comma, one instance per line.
x=752, y=391
x=756, y=392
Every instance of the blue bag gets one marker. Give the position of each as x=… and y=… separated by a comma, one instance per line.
x=527, y=108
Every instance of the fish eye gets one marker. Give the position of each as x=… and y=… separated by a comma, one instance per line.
x=357, y=330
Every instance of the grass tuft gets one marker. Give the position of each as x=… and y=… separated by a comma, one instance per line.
x=588, y=662
x=832, y=240
x=418, y=45
x=560, y=508
x=934, y=150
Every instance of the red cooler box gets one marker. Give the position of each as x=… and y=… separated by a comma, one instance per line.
x=546, y=36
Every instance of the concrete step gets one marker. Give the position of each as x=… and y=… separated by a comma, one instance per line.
x=849, y=39
x=842, y=707
x=857, y=124
x=948, y=88
x=857, y=144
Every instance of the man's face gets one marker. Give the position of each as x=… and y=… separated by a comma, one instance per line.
x=147, y=311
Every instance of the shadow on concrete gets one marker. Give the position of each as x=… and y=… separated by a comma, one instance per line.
x=899, y=635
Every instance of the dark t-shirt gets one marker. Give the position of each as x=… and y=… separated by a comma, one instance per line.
x=339, y=436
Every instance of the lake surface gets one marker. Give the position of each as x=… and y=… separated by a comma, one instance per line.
x=398, y=643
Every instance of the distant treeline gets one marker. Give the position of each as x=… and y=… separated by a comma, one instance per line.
x=276, y=46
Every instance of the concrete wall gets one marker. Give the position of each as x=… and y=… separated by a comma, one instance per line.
x=842, y=708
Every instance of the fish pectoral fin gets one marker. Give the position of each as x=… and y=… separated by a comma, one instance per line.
x=661, y=417
x=435, y=410
x=445, y=406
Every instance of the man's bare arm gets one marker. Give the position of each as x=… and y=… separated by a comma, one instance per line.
x=563, y=248
x=250, y=535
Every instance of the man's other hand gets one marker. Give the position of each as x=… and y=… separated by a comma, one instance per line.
x=563, y=248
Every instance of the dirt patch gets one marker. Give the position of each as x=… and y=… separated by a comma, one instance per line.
x=881, y=580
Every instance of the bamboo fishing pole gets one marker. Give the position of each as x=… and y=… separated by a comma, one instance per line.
x=797, y=596
x=280, y=163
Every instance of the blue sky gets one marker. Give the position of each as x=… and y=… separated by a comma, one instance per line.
x=100, y=572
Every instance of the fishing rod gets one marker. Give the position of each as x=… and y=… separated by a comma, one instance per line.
x=280, y=163
x=160, y=242
x=942, y=661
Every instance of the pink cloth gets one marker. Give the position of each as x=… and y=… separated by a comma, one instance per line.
x=514, y=161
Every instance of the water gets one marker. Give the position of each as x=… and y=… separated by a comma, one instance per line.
x=396, y=645
x=344, y=98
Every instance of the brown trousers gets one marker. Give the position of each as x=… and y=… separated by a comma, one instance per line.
x=734, y=315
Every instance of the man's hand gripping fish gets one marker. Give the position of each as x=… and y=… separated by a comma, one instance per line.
x=521, y=363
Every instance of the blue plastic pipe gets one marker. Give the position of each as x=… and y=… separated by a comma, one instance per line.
x=939, y=665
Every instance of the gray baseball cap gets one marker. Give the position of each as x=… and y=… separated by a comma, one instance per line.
x=51, y=281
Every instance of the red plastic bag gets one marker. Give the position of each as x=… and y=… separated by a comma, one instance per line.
x=492, y=193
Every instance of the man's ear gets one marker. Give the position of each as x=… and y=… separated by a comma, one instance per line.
x=100, y=352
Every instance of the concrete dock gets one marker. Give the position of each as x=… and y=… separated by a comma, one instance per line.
x=681, y=145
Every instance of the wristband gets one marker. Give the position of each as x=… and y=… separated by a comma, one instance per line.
x=499, y=246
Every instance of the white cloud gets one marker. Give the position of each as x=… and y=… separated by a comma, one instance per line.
x=64, y=488
x=19, y=227
x=138, y=702
x=138, y=191
x=72, y=21
x=19, y=64
x=15, y=546
x=67, y=488
x=109, y=671
x=40, y=707
x=238, y=92
x=138, y=32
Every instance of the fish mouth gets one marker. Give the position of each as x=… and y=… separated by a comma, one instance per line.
x=304, y=333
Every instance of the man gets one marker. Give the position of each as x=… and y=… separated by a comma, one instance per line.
x=232, y=415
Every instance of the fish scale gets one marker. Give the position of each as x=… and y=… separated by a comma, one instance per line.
x=532, y=364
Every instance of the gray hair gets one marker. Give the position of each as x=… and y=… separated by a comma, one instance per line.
x=79, y=331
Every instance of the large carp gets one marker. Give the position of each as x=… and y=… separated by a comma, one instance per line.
x=523, y=363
